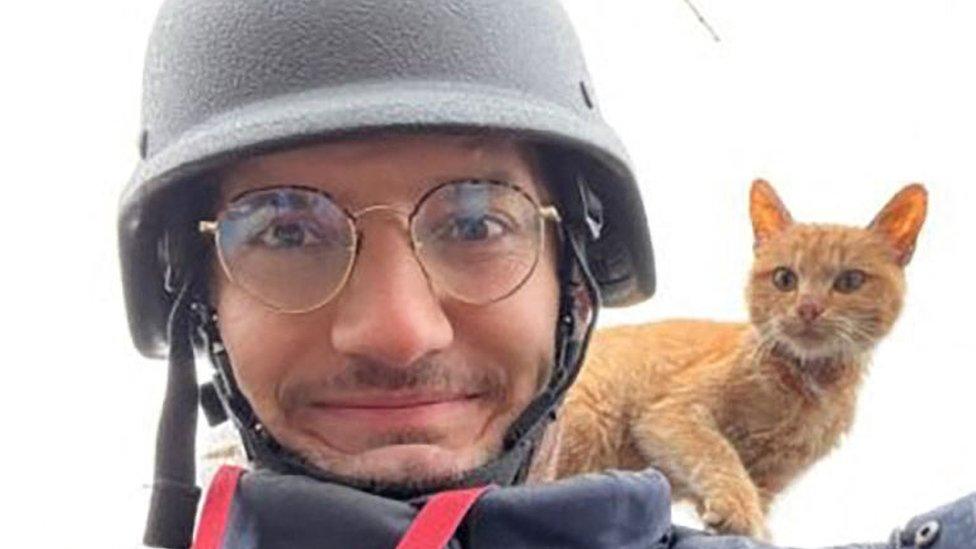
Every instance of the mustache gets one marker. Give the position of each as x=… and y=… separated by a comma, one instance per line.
x=361, y=375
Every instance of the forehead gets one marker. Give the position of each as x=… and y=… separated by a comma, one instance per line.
x=814, y=248
x=388, y=169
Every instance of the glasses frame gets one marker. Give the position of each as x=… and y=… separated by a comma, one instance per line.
x=544, y=212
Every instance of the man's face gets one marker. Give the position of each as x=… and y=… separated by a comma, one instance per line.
x=392, y=379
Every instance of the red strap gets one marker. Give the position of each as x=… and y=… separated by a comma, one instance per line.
x=216, y=508
x=436, y=523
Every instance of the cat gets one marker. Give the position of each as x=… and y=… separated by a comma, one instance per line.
x=732, y=412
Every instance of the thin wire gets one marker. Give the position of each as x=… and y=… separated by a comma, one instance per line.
x=702, y=20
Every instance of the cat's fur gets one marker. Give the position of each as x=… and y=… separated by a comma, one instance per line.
x=732, y=412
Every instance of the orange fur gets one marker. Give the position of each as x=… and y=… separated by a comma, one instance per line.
x=731, y=412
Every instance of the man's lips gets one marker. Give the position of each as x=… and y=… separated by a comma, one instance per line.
x=391, y=401
x=392, y=411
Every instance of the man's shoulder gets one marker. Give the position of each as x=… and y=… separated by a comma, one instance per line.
x=951, y=526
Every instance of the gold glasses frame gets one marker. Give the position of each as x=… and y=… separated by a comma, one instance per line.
x=544, y=212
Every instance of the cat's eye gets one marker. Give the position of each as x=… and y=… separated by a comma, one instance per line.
x=849, y=281
x=784, y=279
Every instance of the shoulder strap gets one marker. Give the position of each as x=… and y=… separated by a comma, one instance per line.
x=216, y=508
x=439, y=519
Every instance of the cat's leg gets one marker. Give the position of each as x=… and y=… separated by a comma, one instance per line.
x=685, y=445
x=771, y=474
x=766, y=497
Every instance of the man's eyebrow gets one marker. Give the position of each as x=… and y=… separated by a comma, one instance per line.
x=537, y=188
x=496, y=174
x=475, y=142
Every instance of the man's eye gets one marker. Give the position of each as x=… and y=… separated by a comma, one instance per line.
x=474, y=229
x=289, y=235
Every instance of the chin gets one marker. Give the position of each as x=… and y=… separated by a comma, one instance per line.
x=408, y=463
x=403, y=464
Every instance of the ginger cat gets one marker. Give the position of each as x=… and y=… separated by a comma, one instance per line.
x=732, y=412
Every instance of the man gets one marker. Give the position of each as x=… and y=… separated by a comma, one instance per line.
x=390, y=225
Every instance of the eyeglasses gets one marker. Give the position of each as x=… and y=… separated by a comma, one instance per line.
x=293, y=248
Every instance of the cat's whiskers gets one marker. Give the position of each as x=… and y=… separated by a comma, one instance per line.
x=846, y=340
x=838, y=349
x=862, y=336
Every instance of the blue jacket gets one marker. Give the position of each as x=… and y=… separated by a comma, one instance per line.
x=619, y=510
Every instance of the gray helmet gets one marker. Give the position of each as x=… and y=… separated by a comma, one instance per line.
x=229, y=78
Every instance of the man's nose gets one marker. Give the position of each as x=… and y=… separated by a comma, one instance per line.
x=387, y=311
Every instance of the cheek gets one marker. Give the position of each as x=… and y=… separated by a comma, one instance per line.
x=765, y=301
x=878, y=302
x=518, y=332
x=260, y=346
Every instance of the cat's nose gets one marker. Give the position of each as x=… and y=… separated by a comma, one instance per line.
x=809, y=309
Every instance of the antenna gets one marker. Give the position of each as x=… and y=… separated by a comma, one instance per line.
x=702, y=20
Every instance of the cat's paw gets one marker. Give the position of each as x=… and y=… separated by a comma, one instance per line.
x=735, y=514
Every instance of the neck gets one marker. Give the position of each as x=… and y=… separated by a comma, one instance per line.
x=810, y=377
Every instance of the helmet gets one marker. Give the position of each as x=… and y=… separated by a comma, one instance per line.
x=228, y=78
x=225, y=79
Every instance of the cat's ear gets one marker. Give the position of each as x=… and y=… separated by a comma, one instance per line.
x=769, y=216
x=901, y=220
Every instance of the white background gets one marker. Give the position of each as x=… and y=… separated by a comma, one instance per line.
x=837, y=103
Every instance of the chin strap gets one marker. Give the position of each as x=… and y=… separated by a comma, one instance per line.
x=175, y=495
x=578, y=308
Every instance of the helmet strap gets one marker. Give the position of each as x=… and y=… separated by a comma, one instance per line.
x=578, y=306
x=173, y=504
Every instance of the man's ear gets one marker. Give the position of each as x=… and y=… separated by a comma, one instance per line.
x=769, y=216
x=900, y=221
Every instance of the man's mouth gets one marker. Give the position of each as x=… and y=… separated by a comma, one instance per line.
x=393, y=401
x=394, y=411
